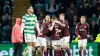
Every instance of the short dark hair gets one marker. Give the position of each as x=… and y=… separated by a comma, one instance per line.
x=28, y=6
x=62, y=14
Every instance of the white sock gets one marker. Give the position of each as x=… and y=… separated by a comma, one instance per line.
x=53, y=52
x=43, y=53
x=30, y=50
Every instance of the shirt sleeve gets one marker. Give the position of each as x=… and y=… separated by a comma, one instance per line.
x=36, y=20
x=66, y=25
x=23, y=24
x=23, y=19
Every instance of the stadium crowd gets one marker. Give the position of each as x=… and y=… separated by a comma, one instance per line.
x=5, y=20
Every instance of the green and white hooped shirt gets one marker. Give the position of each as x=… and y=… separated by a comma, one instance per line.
x=30, y=22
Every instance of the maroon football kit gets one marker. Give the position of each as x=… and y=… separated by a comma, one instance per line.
x=65, y=30
x=82, y=30
x=56, y=32
x=43, y=29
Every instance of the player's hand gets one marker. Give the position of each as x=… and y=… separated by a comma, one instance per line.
x=44, y=21
x=59, y=30
x=88, y=36
x=21, y=41
x=79, y=36
x=40, y=34
x=57, y=21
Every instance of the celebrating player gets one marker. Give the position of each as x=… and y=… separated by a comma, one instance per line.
x=47, y=24
x=82, y=31
x=41, y=39
x=55, y=37
x=65, y=33
x=29, y=21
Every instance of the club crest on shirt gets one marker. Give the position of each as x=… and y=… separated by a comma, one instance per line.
x=84, y=26
x=31, y=20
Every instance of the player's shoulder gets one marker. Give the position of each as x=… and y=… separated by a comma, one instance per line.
x=78, y=24
x=34, y=15
x=66, y=21
x=87, y=24
x=25, y=16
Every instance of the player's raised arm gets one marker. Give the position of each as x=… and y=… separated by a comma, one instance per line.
x=61, y=24
x=51, y=28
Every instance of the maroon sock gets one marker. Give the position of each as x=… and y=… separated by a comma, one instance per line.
x=80, y=52
x=68, y=51
x=56, y=53
x=48, y=51
x=34, y=53
x=45, y=53
x=39, y=53
x=62, y=52
x=84, y=52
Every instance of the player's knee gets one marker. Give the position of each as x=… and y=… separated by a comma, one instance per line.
x=29, y=43
x=34, y=44
x=84, y=47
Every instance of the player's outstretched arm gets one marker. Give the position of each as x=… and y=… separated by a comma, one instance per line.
x=51, y=28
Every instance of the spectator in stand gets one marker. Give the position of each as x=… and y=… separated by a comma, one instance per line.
x=98, y=3
x=7, y=8
x=71, y=11
x=41, y=16
x=6, y=34
x=94, y=2
x=7, y=37
x=81, y=10
x=9, y=2
x=98, y=10
x=16, y=39
x=90, y=10
x=52, y=8
x=93, y=18
x=39, y=13
x=61, y=9
x=72, y=29
x=6, y=27
x=38, y=5
x=78, y=2
x=94, y=30
x=6, y=19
